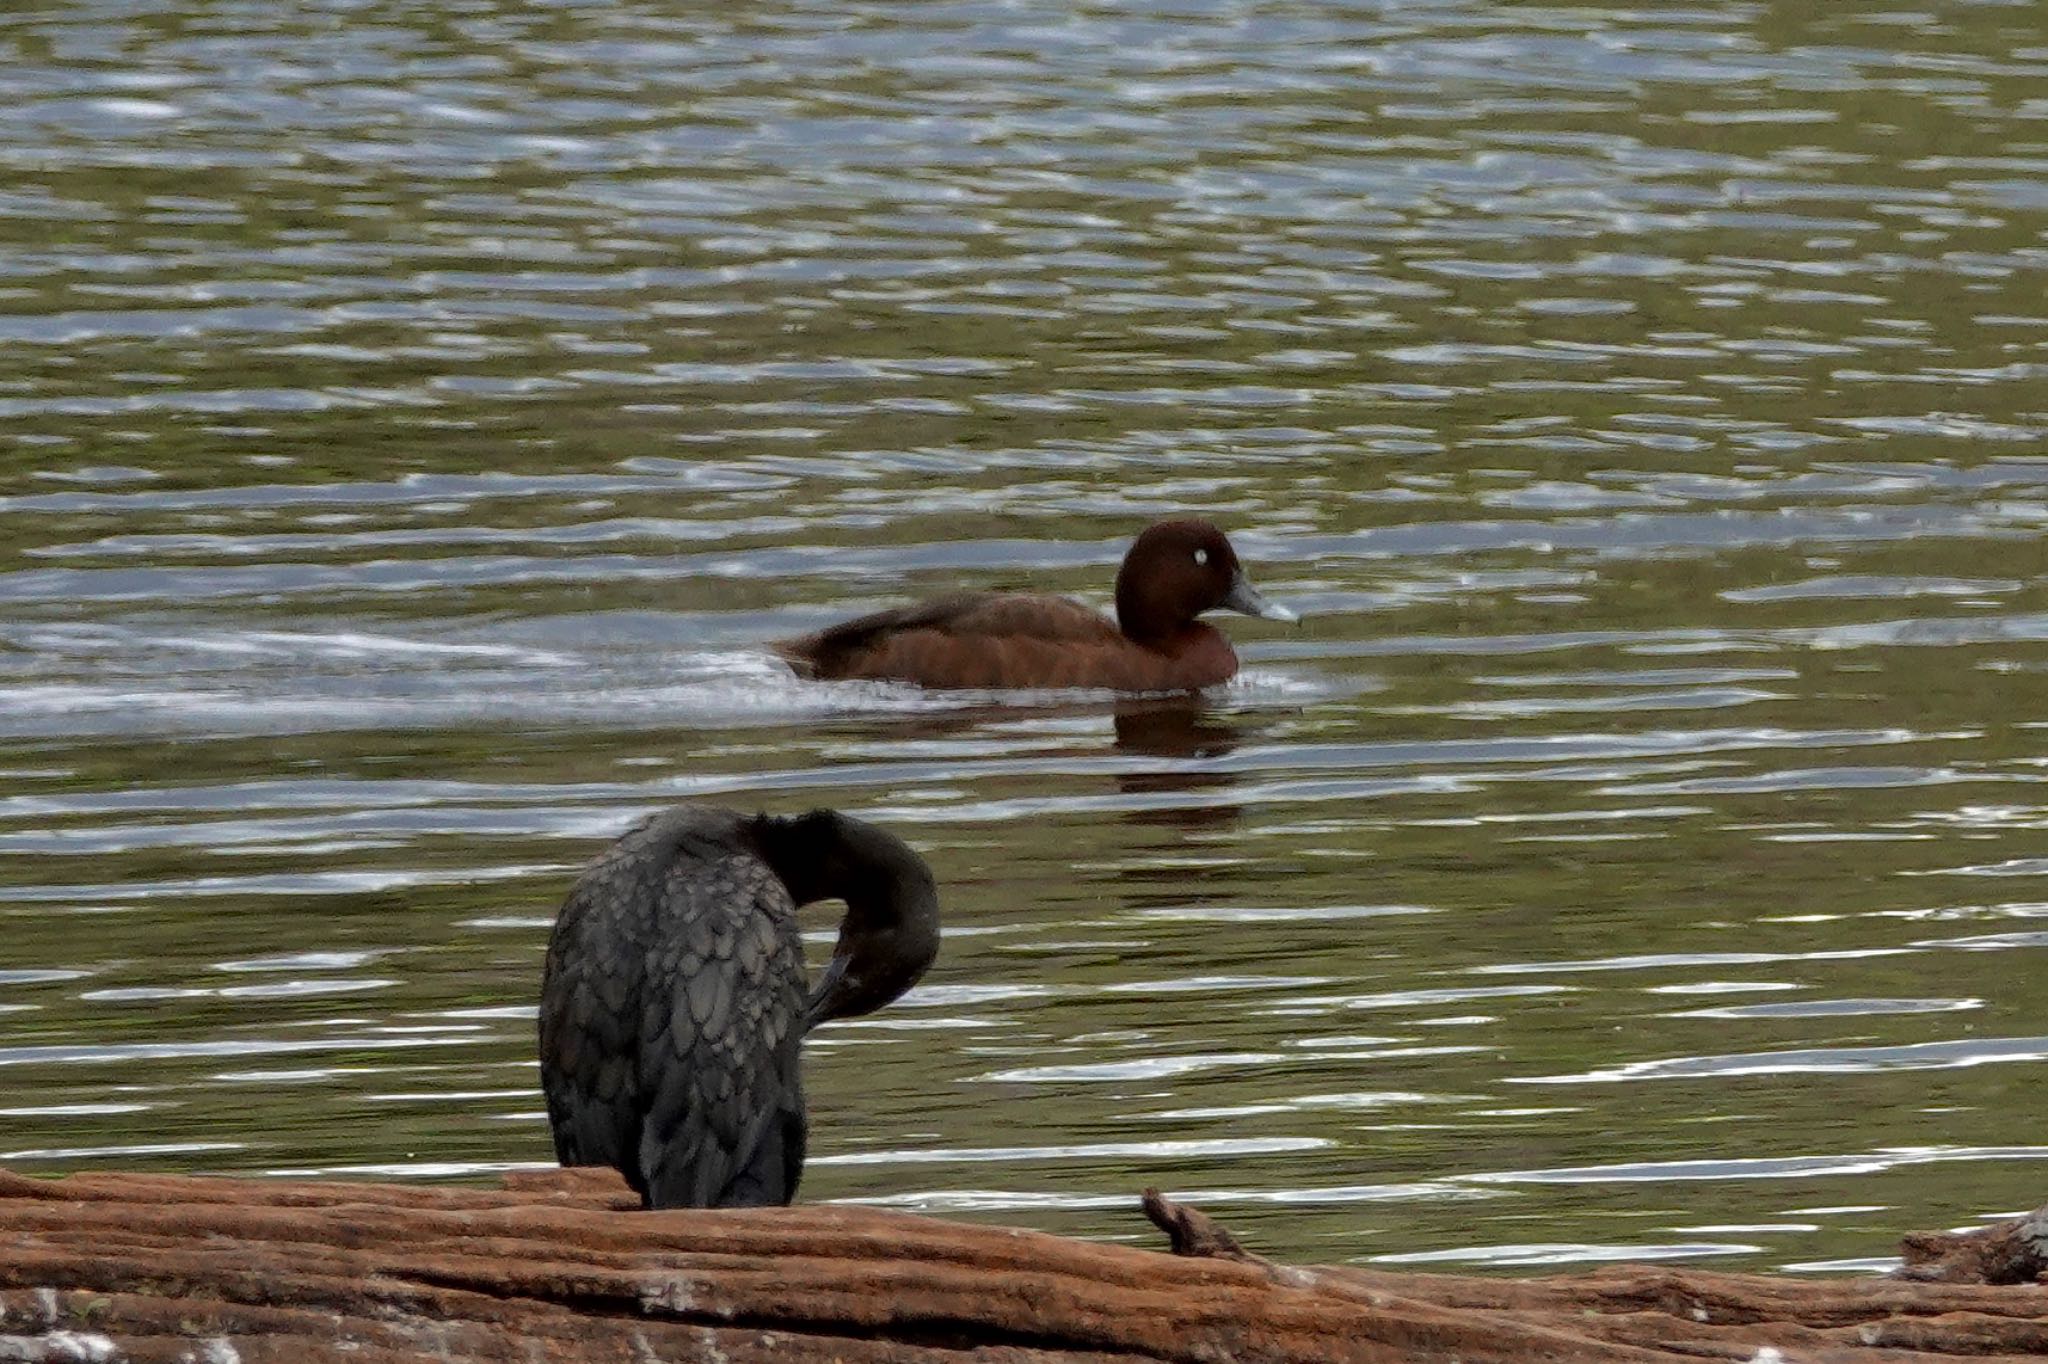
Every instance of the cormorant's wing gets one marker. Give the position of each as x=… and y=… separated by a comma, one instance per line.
x=589, y=1026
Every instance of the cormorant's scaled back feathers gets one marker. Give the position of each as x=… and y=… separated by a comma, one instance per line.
x=674, y=1001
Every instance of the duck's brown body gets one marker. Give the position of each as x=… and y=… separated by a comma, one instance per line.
x=1013, y=640
x=1010, y=640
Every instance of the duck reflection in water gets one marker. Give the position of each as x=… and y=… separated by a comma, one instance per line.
x=1176, y=728
x=1173, y=727
x=673, y=1002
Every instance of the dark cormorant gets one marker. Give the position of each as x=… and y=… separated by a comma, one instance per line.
x=674, y=1000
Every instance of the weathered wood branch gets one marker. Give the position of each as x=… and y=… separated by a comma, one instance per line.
x=562, y=1267
x=2014, y=1251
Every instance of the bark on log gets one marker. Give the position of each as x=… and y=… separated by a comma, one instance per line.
x=562, y=1267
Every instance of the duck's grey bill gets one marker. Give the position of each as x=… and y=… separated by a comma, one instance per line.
x=1252, y=602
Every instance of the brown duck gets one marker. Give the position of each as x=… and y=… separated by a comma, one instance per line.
x=1174, y=572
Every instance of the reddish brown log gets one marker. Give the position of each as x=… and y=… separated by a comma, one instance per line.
x=563, y=1268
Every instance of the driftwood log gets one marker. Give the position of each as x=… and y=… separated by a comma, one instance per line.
x=559, y=1267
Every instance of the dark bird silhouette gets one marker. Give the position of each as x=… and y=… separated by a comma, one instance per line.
x=674, y=1001
x=1174, y=572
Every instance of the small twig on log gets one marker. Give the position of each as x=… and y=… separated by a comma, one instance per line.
x=2011, y=1252
x=1195, y=1233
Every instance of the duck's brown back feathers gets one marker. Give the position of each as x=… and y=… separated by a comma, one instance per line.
x=1008, y=640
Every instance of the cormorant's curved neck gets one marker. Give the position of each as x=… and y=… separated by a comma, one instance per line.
x=891, y=930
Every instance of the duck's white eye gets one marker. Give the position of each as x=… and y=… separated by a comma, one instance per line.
x=1202, y=557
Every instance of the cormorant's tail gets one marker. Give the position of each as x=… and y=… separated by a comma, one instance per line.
x=771, y=1160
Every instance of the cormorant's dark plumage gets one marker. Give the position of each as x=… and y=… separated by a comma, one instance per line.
x=673, y=1001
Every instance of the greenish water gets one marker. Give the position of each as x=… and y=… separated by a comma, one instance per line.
x=414, y=418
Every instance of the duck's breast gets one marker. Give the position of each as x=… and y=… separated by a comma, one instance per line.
x=1198, y=656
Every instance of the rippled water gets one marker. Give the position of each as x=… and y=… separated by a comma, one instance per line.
x=417, y=416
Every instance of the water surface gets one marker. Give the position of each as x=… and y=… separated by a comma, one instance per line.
x=416, y=417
